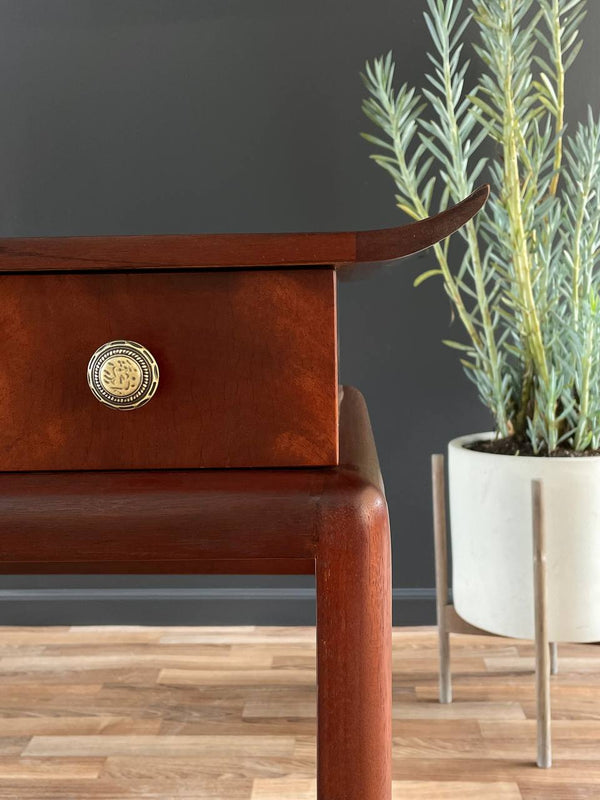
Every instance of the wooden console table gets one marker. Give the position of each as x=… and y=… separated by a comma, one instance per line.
x=170, y=405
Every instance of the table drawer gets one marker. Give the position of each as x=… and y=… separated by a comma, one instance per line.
x=246, y=361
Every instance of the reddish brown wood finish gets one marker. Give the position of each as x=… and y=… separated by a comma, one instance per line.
x=210, y=566
x=279, y=520
x=248, y=378
x=125, y=520
x=354, y=619
x=248, y=373
x=218, y=251
x=389, y=244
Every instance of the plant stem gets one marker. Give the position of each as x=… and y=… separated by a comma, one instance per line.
x=532, y=335
x=577, y=255
x=584, y=395
x=492, y=362
x=560, y=93
x=526, y=387
x=419, y=211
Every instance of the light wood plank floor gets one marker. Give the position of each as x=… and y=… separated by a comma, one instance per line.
x=229, y=714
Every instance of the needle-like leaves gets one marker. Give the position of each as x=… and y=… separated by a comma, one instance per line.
x=527, y=287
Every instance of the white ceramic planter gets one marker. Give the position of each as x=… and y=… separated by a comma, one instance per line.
x=492, y=549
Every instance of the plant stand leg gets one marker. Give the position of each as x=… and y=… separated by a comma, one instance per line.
x=542, y=646
x=553, y=658
x=441, y=574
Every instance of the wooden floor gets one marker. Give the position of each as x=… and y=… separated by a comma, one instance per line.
x=229, y=714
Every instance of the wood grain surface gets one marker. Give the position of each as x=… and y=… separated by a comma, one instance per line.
x=248, y=370
x=170, y=520
x=193, y=521
x=113, y=713
x=341, y=249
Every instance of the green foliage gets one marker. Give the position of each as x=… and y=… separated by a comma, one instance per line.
x=526, y=288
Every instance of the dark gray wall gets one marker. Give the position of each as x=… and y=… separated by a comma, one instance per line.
x=185, y=116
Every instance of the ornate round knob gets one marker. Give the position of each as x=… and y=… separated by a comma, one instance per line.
x=123, y=374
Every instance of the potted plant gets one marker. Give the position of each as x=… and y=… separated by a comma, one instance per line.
x=526, y=290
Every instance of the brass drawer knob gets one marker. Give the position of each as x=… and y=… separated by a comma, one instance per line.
x=123, y=374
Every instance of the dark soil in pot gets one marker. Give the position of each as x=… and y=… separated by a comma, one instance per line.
x=511, y=446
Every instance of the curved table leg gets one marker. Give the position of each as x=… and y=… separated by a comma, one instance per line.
x=354, y=652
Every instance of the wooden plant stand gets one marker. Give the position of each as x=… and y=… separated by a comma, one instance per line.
x=448, y=620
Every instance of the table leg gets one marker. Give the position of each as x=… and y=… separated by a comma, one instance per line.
x=354, y=652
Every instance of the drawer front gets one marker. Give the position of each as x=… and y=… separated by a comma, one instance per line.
x=246, y=361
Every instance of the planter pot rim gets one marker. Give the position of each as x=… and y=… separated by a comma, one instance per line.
x=460, y=441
